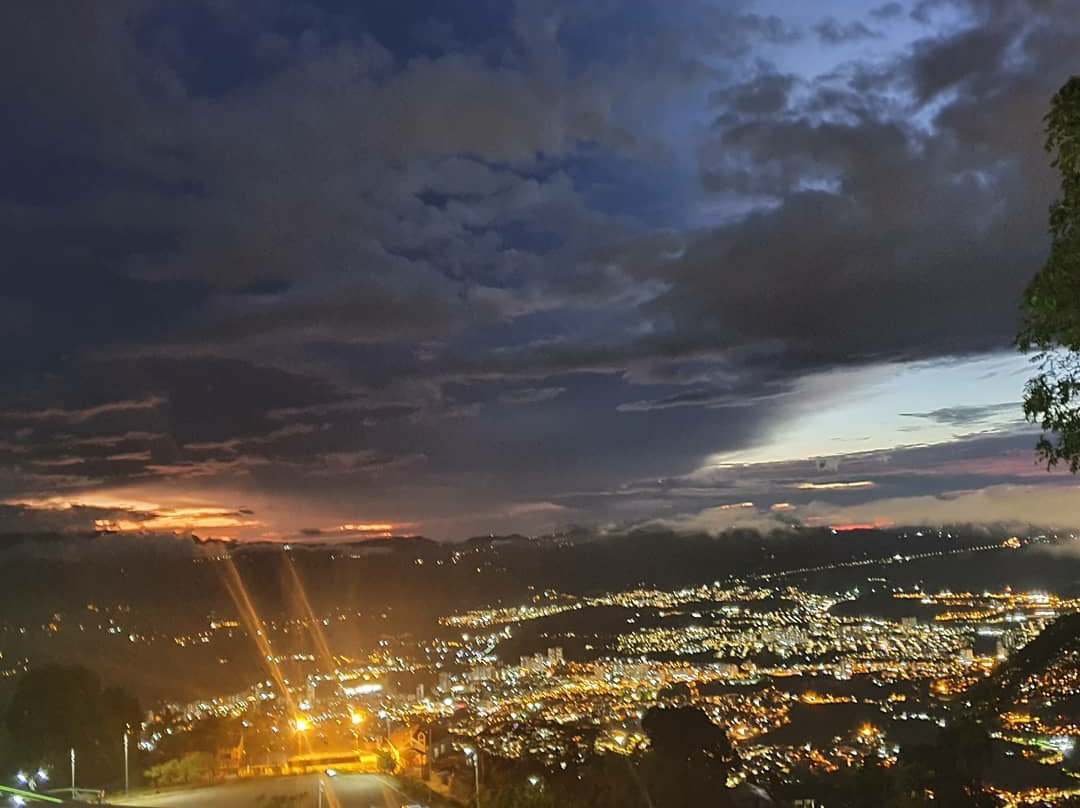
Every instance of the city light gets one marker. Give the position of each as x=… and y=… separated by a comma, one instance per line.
x=697, y=645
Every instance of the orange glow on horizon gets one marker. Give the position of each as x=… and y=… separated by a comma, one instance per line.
x=89, y=500
x=172, y=520
x=139, y=515
x=840, y=486
x=373, y=527
x=877, y=524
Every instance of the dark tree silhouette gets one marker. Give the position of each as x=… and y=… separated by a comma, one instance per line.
x=1052, y=300
x=605, y=781
x=687, y=764
x=688, y=760
x=56, y=708
x=948, y=773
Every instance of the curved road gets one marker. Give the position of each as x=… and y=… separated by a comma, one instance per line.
x=343, y=791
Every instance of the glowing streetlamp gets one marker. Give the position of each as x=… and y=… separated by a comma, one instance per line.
x=301, y=725
x=32, y=781
x=356, y=718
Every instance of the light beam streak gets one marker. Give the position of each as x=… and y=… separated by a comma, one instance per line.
x=234, y=584
x=318, y=637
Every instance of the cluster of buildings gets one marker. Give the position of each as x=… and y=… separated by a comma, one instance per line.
x=802, y=681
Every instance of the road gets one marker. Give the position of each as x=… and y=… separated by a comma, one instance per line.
x=343, y=791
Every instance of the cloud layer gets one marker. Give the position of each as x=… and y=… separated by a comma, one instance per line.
x=492, y=268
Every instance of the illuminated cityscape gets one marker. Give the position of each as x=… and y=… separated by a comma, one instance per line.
x=806, y=681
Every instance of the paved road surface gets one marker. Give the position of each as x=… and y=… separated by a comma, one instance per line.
x=343, y=791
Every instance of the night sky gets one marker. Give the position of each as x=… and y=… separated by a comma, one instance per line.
x=338, y=269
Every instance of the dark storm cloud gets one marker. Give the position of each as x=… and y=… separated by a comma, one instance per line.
x=689, y=398
x=205, y=416
x=871, y=213
x=966, y=416
x=912, y=485
x=713, y=399
x=889, y=11
x=325, y=206
x=770, y=28
x=765, y=95
x=832, y=32
x=995, y=459
x=79, y=416
x=336, y=252
x=530, y=395
x=973, y=56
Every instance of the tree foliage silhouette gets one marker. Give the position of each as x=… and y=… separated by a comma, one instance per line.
x=56, y=708
x=687, y=764
x=1051, y=302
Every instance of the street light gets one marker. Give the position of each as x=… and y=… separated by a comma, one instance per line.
x=32, y=781
x=73, y=772
x=357, y=718
x=301, y=724
x=474, y=755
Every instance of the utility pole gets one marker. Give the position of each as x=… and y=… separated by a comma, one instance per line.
x=127, y=781
x=470, y=752
x=73, y=772
x=476, y=769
